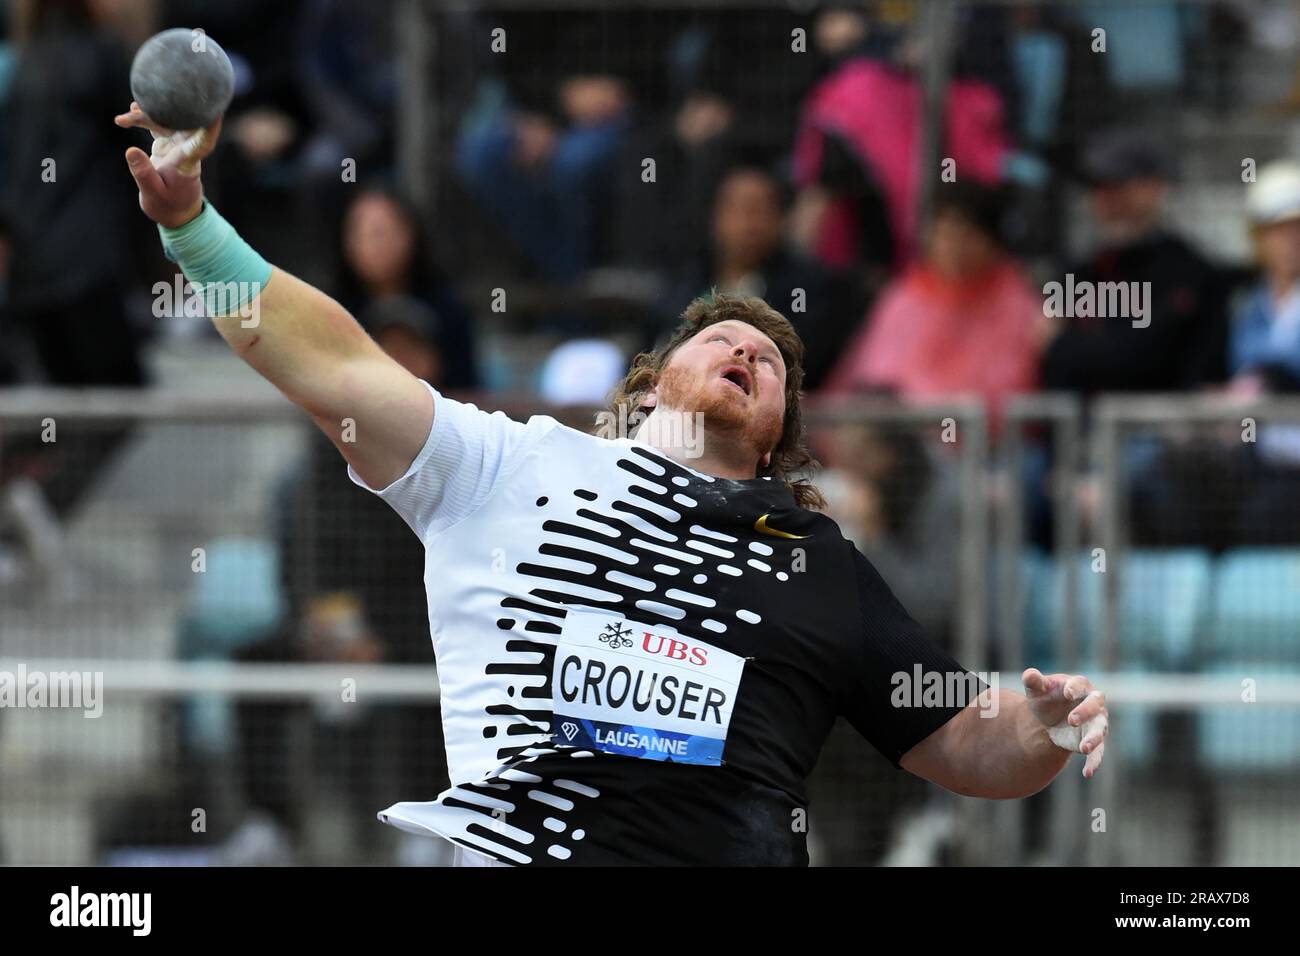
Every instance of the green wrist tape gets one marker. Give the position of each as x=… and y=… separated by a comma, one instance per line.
x=222, y=267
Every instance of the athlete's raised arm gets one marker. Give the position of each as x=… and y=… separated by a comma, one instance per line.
x=294, y=335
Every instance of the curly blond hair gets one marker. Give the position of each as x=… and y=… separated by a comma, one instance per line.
x=791, y=455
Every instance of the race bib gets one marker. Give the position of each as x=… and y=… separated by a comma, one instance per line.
x=639, y=690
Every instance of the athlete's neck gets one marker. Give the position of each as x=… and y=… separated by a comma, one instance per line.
x=683, y=438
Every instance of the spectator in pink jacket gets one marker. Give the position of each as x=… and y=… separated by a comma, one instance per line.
x=857, y=155
x=960, y=321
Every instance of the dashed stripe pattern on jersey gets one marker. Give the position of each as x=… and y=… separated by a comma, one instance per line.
x=596, y=558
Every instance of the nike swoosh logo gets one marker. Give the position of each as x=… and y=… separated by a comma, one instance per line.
x=761, y=526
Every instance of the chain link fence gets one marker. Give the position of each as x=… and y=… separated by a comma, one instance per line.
x=226, y=581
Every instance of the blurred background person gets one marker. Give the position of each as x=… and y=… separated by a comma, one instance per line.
x=1183, y=344
x=384, y=255
x=546, y=182
x=1178, y=344
x=1264, y=343
x=856, y=156
x=898, y=501
x=1056, y=89
x=664, y=226
x=959, y=321
x=1264, y=356
x=59, y=194
x=65, y=325
x=722, y=107
x=748, y=255
x=1253, y=482
x=348, y=75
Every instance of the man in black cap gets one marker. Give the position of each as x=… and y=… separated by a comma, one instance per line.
x=1172, y=335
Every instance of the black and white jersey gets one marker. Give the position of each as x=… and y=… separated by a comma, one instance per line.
x=639, y=663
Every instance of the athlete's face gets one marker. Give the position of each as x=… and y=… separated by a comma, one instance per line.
x=735, y=376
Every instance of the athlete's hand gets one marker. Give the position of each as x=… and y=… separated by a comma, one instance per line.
x=1073, y=711
x=171, y=190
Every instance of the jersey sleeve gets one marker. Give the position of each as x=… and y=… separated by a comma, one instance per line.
x=466, y=456
x=894, y=654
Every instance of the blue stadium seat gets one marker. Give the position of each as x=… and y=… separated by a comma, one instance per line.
x=1256, y=613
x=1251, y=736
x=1133, y=731
x=1038, y=621
x=1164, y=605
x=237, y=599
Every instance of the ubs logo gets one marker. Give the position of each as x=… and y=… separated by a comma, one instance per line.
x=675, y=650
x=616, y=636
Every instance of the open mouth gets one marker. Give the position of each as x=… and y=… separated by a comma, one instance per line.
x=740, y=377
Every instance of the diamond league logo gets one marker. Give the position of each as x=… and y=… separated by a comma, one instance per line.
x=570, y=729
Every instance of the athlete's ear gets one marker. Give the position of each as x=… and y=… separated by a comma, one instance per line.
x=765, y=460
x=651, y=399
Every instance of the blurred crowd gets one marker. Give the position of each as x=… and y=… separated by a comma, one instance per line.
x=606, y=168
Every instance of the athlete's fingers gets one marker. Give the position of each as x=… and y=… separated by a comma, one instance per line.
x=1076, y=687
x=205, y=140
x=1094, y=760
x=1093, y=733
x=186, y=150
x=1035, y=683
x=132, y=117
x=1048, y=698
x=136, y=117
x=183, y=152
x=1092, y=705
x=146, y=177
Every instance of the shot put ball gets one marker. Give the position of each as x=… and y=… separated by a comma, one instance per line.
x=182, y=79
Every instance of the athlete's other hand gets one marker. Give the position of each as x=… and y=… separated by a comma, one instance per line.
x=1072, y=710
x=171, y=190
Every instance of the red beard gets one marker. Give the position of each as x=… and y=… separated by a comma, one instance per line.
x=726, y=410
